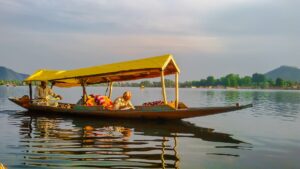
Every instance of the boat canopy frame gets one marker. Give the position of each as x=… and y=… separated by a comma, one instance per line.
x=152, y=67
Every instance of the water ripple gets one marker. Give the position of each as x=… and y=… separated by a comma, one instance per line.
x=44, y=141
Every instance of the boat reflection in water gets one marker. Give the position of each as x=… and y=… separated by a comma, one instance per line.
x=54, y=141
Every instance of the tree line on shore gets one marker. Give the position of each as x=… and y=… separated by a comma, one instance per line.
x=11, y=82
x=234, y=80
x=231, y=80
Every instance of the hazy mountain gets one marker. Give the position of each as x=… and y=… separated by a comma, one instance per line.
x=8, y=74
x=285, y=72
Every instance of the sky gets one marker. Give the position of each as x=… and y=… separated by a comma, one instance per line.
x=206, y=37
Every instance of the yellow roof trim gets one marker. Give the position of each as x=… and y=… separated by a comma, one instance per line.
x=168, y=62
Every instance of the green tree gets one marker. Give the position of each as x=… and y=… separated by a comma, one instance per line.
x=186, y=84
x=210, y=80
x=259, y=79
x=246, y=81
x=280, y=82
x=202, y=82
x=223, y=81
x=232, y=80
x=291, y=83
x=271, y=83
x=195, y=83
x=218, y=82
x=146, y=83
x=156, y=84
x=169, y=83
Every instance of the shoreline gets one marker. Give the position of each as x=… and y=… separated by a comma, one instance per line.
x=220, y=87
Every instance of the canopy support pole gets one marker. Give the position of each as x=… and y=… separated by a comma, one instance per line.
x=163, y=87
x=84, y=95
x=52, y=84
x=30, y=91
x=176, y=90
x=110, y=89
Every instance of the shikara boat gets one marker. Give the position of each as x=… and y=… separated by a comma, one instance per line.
x=159, y=66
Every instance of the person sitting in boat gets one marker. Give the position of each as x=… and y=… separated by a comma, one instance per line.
x=43, y=91
x=123, y=102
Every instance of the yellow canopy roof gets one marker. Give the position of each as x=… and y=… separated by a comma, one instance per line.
x=122, y=71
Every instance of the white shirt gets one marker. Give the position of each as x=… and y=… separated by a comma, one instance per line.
x=41, y=93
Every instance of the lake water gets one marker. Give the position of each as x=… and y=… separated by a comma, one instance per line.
x=264, y=136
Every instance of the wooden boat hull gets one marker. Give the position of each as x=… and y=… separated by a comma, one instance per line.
x=141, y=112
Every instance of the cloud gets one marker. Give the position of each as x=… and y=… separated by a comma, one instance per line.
x=209, y=37
x=118, y=16
x=278, y=18
x=68, y=51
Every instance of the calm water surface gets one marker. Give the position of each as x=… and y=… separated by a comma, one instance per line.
x=265, y=136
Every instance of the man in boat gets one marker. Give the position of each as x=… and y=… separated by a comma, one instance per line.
x=43, y=91
x=123, y=102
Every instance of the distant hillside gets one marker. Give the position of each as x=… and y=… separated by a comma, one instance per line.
x=8, y=74
x=285, y=72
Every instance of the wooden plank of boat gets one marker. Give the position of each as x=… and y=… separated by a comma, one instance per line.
x=142, y=112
